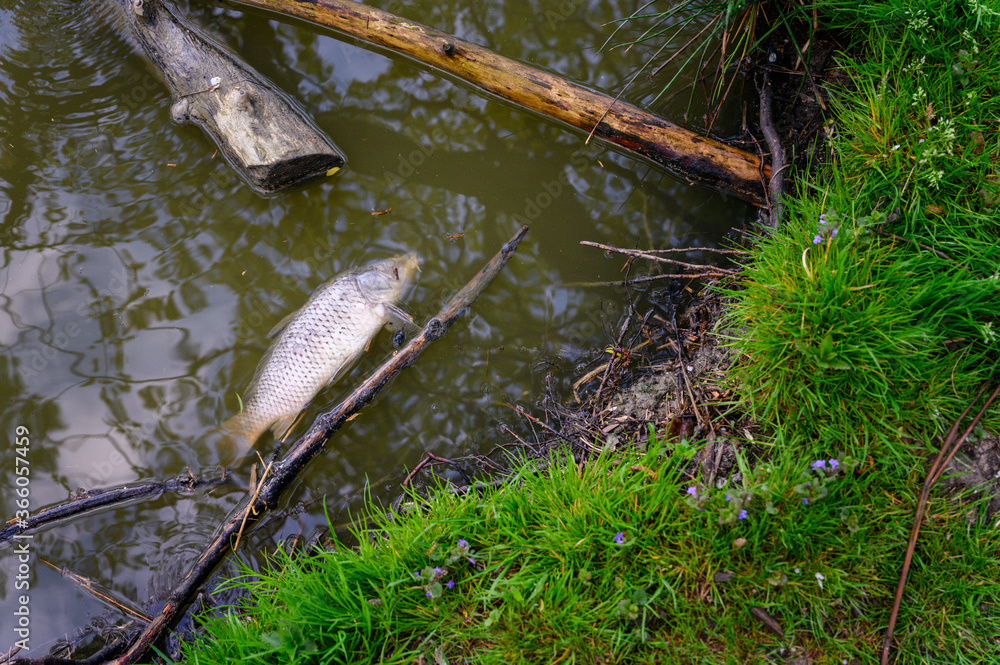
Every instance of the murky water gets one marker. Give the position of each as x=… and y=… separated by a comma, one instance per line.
x=139, y=276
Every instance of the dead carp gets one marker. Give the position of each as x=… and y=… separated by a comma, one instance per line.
x=319, y=343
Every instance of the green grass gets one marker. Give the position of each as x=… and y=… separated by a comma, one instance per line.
x=888, y=328
x=549, y=582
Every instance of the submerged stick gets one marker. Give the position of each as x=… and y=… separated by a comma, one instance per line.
x=92, y=500
x=690, y=155
x=948, y=449
x=283, y=473
x=105, y=596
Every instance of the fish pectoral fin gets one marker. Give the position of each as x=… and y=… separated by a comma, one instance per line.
x=344, y=367
x=281, y=325
x=395, y=318
x=282, y=426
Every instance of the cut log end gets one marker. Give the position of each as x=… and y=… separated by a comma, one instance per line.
x=297, y=170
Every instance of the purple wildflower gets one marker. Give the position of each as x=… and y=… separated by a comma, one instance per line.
x=818, y=239
x=619, y=538
x=416, y=574
x=693, y=491
x=818, y=464
x=833, y=233
x=472, y=560
x=833, y=463
x=450, y=584
x=428, y=594
x=728, y=498
x=822, y=218
x=463, y=543
x=805, y=501
x=437, y=570
x=742, y=515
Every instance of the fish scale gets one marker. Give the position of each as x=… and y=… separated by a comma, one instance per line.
x=320, y=342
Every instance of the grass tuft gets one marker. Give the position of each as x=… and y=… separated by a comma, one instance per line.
x=626, y=560
x=888, y=327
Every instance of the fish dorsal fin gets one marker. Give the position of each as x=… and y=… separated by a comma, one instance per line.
x=276, y=330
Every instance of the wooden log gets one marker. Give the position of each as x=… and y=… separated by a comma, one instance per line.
x=264, y=135
x=698, y=158
x=280, y=475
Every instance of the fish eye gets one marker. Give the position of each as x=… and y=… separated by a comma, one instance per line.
x=395, y=272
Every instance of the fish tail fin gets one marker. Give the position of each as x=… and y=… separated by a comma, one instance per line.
x=244, y=430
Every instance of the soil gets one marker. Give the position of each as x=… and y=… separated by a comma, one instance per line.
x=975, y=469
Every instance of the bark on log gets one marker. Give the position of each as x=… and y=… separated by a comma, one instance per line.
x=266, y=138
x=697, y=158
x=281, y=474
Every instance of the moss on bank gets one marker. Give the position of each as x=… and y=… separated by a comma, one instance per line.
x=863, y=326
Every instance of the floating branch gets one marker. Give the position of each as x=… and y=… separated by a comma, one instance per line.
x=90, y=500
x=690, y=155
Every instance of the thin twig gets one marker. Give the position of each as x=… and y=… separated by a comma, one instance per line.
x=305, y=449
x=533, y=419
x=253, y=499
x=109, y=650
x=103, y=595
x=948, y=449
x=504, y=427
x=652, y=257
x=427, y=458
x=716, y=250
x=653, y=278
